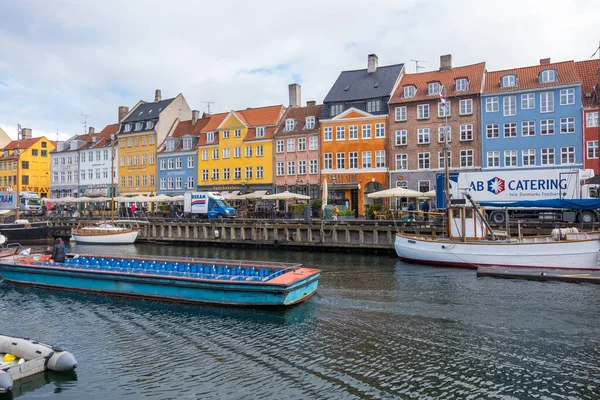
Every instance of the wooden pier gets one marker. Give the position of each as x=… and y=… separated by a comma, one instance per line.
x=540, y=274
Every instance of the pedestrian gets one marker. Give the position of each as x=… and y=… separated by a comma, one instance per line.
x=172, y=210
x=411, y=214
x=133, y=209
x=58, y=251
x=335, y=212
x=425, y=209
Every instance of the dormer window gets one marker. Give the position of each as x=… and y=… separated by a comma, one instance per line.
x=260, y=131
x=547, y=76
x=433, y=88
x=336, y=109
x=149, y=125
x=461, y=84
x=138, y=126
x=187, y=143
x=310, y=123
x=509, y=81
x=170, y=145
x=409, y=91
x=210, y=137
x=127, y=128
x=373, y=106
x=289, y=125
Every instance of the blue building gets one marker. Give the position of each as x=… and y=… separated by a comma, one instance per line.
x=531, y=118
x=178, y=158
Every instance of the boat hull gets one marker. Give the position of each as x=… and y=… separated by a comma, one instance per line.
x=127, y=237
x=577, y=255
x=22, y=233
x=282, y=291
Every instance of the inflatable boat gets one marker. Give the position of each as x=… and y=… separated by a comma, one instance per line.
x=21, y=357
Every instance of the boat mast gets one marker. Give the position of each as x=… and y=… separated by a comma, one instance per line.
x=17, y=153
x=112, y=179
x=446, y=169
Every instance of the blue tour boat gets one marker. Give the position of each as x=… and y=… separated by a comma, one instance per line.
x=190, y=280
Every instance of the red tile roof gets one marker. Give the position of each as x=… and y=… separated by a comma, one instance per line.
x=300, y=114
x=473, y=73
x=105, y=135
x=262, y=116
x=214, y=122
x=251, y=135
x=23, y=144
x=528, y=77
x=589, y=73
x=186, y=127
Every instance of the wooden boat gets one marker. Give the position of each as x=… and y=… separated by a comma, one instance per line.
x=23, y=231
x=227, y=282
x=20, y=358
x=103, y=233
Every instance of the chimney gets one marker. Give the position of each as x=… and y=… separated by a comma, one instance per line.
x=157, y=95
x=544, y=61
x=373, y=63
x=25, y=133
x=295, y=95
x=195, y=116
x=91, y=130
x=123, y=111
x=446, y=62
x=311, y=103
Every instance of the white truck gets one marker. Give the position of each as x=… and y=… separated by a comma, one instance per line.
x=30, y=203
x=207, y=205
x=549, y=194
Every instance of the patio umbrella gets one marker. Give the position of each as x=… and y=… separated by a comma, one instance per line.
x=395, y=192
x=286, y=196
x=324, y=194
x=430, y=194
x=253, y=196
x=160, y=198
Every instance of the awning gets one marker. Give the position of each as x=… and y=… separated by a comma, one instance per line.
x=342, y=186
x=96, y=192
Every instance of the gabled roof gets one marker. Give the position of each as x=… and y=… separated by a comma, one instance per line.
x=589, y=73
x=299, y=114
x=361, y=85
x=185, y=128
x=214, y=121
x=105, y=135
x=262, y=116
x=528, y=77
x=23, y=144
x=473, y=73
x=147, y=111
x=251, y=135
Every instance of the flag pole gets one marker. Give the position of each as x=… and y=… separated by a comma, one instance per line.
x=446, y=168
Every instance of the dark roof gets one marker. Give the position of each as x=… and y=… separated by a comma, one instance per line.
x=300, y=114
x=147, y=111
x=361, y=85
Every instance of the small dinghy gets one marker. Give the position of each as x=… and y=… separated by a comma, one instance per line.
x=20, y=358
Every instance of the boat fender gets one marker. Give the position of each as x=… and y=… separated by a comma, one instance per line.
x=9, y=357
x=556, y=234
x=6, y=382
x=61, y=361
x=216, y=233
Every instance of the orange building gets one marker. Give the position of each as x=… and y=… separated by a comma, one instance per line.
x=353, y=134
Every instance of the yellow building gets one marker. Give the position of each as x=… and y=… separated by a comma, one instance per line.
x=235, y=150
x=34, y=172
x=142, y=130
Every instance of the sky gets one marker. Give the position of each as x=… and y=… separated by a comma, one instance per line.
x=65, y=62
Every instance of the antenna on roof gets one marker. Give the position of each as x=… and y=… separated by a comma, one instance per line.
x=84, y=123
x=208, y=103
x=417, y=66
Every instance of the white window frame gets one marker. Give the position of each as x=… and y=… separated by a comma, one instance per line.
x=569, y=152
x=400, y=113
x=401, y=162
x=466, y=133
x=513, y=156
x=567, y=125
x=379, y=130
x=512, y=130
x=547, y=152
x=493, y=158
x=546, y=102
x=466, y=107
x=367, y=159
x=366, y=131
x=423, y=136
x=467, y=158
x=353, y=132
x=592, y=149
x=492, y=128
x=328, y=134
x=509, y=105
x=527, y=101
x=423, y=111
x=527, y=155
x=424, y=161
x=528, y=128
x=492, y=104
x=547, y=127
x=401, y=137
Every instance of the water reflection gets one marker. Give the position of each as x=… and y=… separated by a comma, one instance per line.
x=59, y=381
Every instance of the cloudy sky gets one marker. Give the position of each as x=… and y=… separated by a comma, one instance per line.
x=60, y=59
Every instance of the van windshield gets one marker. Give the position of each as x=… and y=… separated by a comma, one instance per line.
x=35, y=202
x=221, y=203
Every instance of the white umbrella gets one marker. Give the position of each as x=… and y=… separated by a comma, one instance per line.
x=160, y=198
x=231, y=196
x=83, y=199
x=430, y=194
x=324, y=194
x=253, y=196
x=67, y=199
x=179, y=197
x=286, y=196
x=394, y=192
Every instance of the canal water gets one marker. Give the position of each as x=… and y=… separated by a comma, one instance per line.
x=378, y=328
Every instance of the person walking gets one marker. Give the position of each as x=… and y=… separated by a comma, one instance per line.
x=411, y=214
x=335, y=212
x=425, y=209
x=133, y=210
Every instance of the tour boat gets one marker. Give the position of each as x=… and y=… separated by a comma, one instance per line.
x=20, y=358
x=22, y=231
x=188, y=280
x=103, y=233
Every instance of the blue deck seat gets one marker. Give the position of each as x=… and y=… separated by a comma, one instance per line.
x=194, y=269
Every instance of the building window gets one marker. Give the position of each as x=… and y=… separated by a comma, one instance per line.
x=291, y=168
x=433, y=88
x=260, y=149
x=210, y=137
x=301, y=168
x=291, y=145
x=567, y=125
x=178, y=163
x=314, y=166
x=567, y=155
x=510, y=129
x=547, y=102
x=310, y=123
x=205, y=174
x=353, y=159
x=215, y=174
x=401, y=113
x=44, y=153
x=151, y=142
x=444, y=109
x=190, y=162
x=144, y=140
x=248, y=172
x=491, y=104
x=127, y=128
x=466, y=132
x=423, y=161
x=280, y=168
x=162, y=164
x=340, y=133
x=170, y=163
x=340, y=160
x=249, y=151
x=591, y=119
x=492, y=131
x=423, y=111
x=129, y=181
x=509, y=81
x=510, y=105
x=380, y=159
x=151, y=158
x=237, y=173
x=260, y=174
x=423, y=136
x=136, y=159
x=424, y=186
x=226, y=134
x=366, y=131
x=528, y=157
x=592, y=149
x=313, y=143
x=461, y=84
x=528, y=128
x=336, y=109
x=327, y=134
x=122, y=181
x=379, y=130
x=466, y=158
x=353, y=132
x=178, y=183
x=441, y=138
x=226, y=153
x=279, y=146
x=129, y=161
x=237, y=133
x=547, y=154
x=367, y=160
x=401, y=138
x=145, y=180
x=204, y=155
x=409, y=91
x=401, y=162
x=328, y=160
x=122, y=161
x=373, y=106
x=547, y=127
x=527, y=101
x=187, y=143
x=237, y=152
x=441, y=159
x=215, y=154
x=493, y=158
x=548, y=75
x=289, y=125
x=190, y=183
x=466, y=107
x=260, y=131
x=510, y=158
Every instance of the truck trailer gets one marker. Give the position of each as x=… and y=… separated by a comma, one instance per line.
x=548, y=194
x=207, y=205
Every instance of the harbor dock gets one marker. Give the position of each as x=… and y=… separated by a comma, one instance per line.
x=535, y=274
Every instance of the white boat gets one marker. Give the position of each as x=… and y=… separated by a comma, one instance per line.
x=104, y=233
x=20, y=358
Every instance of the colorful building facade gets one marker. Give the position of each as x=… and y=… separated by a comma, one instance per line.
x=531, y=117
x=96, y=163
x=589, y=73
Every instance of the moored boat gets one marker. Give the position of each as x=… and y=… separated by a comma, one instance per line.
x=20, y=358
x=227, y=282
x=22, y=231
x=104, y=233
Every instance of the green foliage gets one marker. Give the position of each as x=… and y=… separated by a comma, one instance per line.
x=346, y=213
x=298, y=209
x=317, y=204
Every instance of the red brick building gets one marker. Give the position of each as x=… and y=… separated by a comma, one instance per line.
x=589, y=73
